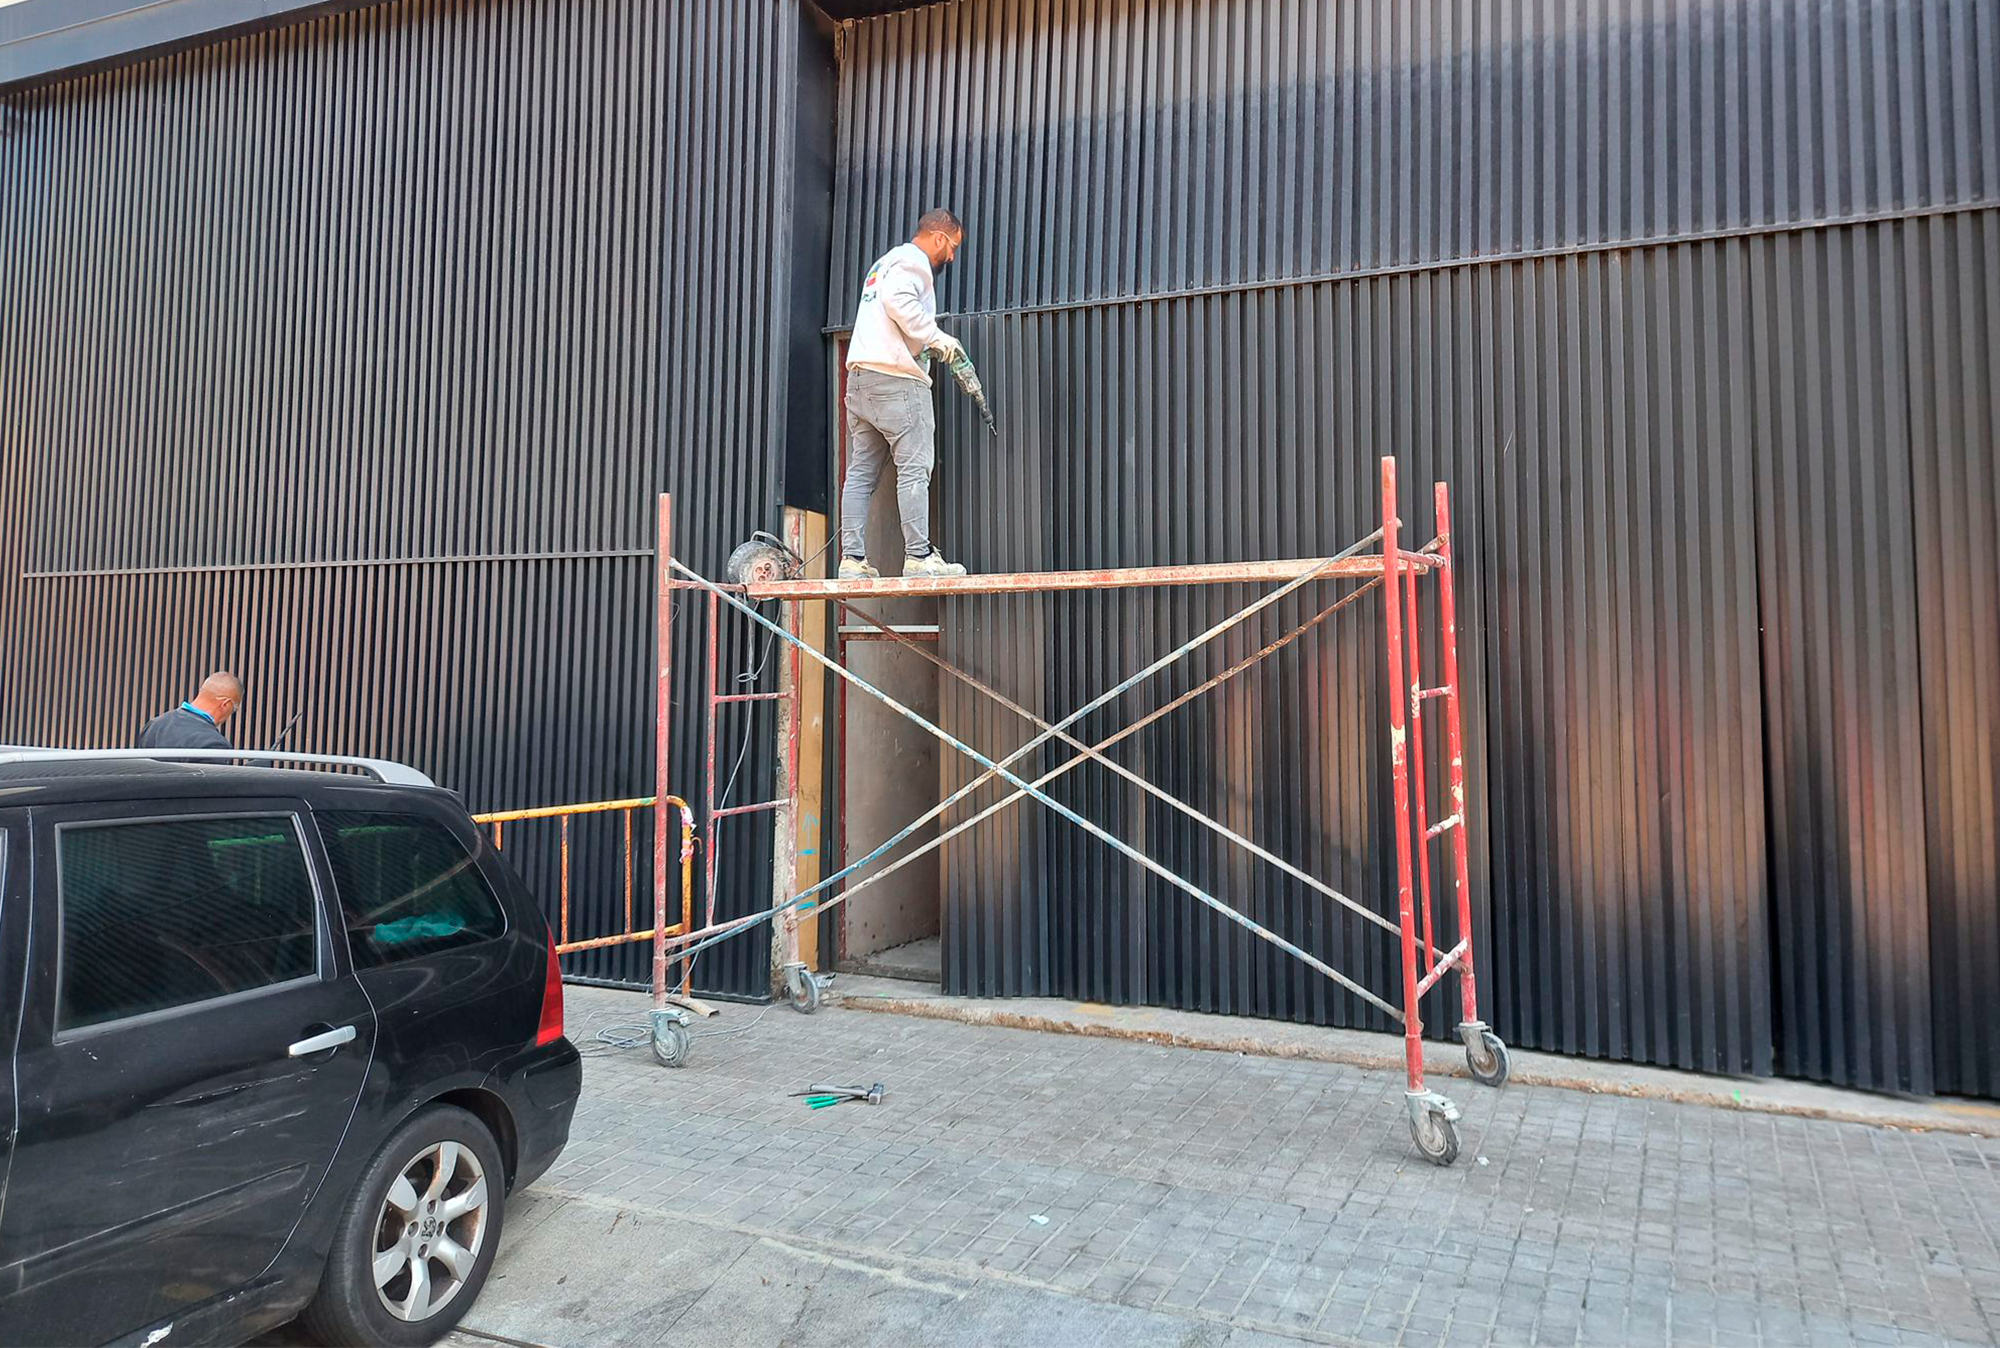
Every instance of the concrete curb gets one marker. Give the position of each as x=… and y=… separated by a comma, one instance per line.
x=1277, y=1040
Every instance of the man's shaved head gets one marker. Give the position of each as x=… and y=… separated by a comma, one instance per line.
x=222, y=684
x=221, y=693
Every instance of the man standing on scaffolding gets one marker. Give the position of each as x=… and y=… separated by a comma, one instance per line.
x=889, y=412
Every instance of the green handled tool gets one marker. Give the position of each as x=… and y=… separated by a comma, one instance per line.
x=833, y=1095
x=968, y=379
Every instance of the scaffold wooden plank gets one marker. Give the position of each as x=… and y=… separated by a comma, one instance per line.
x=1123, y=578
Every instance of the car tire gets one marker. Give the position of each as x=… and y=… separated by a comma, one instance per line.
x=405, y=1222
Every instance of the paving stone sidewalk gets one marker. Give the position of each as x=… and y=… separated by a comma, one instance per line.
x=1286, y=1197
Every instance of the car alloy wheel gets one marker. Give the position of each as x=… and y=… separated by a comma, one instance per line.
x=431, y=1230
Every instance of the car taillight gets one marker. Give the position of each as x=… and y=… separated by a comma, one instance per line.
x=551, y=1028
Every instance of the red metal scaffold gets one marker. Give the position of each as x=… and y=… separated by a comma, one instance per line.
x=1394, y=568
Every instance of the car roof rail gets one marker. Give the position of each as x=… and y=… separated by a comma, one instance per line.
x=383, y=770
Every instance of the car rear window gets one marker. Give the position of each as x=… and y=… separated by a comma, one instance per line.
x=167, y=913
x=408, y=887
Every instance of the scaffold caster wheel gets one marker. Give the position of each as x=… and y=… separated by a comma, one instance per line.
x=804, y=989
x=672, y=1044
x=1434, y=1127
x=1485, y=1055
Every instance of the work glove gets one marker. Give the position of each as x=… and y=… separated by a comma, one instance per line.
x=949, y=348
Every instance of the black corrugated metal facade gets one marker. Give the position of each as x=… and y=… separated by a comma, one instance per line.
x=1697, y=306
x=351, y=355
x=1135, y=147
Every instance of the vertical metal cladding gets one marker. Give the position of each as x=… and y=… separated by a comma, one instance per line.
x=1250, y=459
x=1611, y=611
x=347, y=355
x=1102, y=148
x=1831, y=399
x=1625, y=816
x=1950, y=272
x=1694, y=306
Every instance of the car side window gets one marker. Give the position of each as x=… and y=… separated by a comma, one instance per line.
x=159, y=914
x=408, y=887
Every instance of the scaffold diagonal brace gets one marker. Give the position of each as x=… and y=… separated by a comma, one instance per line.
x=1001, y=770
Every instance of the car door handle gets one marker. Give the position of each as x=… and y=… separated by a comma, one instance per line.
x=320, y=1043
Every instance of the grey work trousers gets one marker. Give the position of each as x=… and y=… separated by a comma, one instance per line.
x=889, y=419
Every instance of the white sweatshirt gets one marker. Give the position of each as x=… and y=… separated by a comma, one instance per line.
x=897, y=318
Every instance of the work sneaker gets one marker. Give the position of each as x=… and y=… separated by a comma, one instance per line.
x=857, y=568
x=932, y=566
